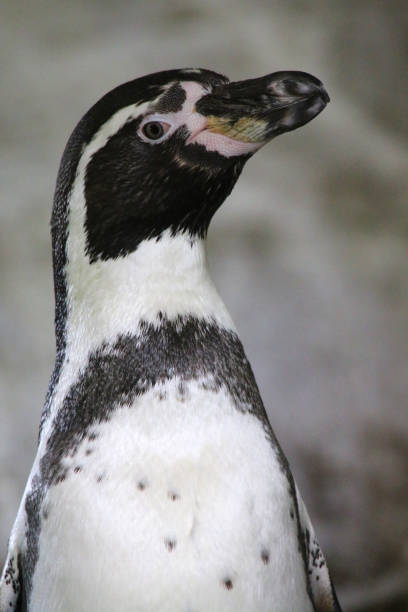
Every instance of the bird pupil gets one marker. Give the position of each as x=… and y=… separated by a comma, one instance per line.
x=153, y=130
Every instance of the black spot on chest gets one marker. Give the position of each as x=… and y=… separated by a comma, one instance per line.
x=11, y=575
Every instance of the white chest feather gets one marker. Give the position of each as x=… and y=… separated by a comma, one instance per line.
x=177, y=504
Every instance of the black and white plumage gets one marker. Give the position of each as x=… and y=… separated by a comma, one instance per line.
x=158, y=482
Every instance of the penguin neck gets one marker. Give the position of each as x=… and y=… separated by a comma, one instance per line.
x=164, y=278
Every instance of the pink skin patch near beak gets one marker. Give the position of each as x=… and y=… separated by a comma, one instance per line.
x=201, y=133
x=228, y=147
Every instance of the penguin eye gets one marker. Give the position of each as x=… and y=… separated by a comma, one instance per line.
x=154, y=130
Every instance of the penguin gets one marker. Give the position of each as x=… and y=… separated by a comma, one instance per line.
x=159, y=484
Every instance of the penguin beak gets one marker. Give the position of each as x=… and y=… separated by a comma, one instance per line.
x=257, y=110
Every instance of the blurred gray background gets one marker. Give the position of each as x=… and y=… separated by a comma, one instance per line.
x=309, y=252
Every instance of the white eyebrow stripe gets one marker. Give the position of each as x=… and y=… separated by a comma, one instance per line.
x=110, y=128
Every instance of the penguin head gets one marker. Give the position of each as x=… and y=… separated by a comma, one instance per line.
x=162, y=152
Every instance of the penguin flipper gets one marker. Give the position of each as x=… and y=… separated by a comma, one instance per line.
x=321, y=587
x=12, y=592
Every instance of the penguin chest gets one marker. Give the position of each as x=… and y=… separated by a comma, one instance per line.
x=177, y=503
